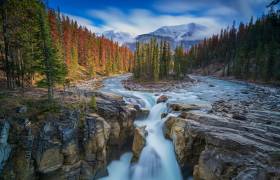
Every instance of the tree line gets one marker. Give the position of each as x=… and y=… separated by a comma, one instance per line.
x=83, y=51
x=42, y=46
x=250, y=51
x=156, y=61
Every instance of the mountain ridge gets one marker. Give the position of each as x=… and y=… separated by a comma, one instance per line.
x=186, y=35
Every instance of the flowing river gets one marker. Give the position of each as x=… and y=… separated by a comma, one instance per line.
x=158, y=160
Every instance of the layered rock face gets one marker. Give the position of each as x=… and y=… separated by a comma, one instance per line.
x=71, y=145
x=210, y=146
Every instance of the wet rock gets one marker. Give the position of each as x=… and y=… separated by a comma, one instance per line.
x=162, y=98
x=183, y=107
x=96, y=136
x=164, y=115
x=238, y=116
x=231, y=148
x=143, y=113
x=139, y=142
x=246, y=91
x=21, y=109
x=235, y=110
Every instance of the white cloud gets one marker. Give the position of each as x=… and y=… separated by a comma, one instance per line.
x=141, y=21
x=235, y=8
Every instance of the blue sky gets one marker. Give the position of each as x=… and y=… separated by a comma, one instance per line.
x=143, y=16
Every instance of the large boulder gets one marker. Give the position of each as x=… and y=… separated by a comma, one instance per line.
x=139, y=142
x=162, y=98
x=215, y=147
x=183, y=107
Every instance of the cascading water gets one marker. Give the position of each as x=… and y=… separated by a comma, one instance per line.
x=157, y=160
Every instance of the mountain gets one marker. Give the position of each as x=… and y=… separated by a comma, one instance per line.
x=121, y=37
x=185, y=34
x=182, y=32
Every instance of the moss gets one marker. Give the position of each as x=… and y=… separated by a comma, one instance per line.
x=92, y=103
x=35, y=107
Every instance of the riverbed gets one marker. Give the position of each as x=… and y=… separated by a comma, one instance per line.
x=157, y=161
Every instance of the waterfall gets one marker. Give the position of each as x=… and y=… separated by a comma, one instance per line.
x=157, y=160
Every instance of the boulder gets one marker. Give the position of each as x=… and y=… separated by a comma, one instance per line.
x=215, y=147
x=143, y=113
x=164, y=115
x=21, y=109
x=162, y=98
x=139, y=142
x=183, y=107
x=51, y=160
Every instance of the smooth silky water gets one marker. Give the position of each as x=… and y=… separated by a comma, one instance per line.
x=158, y=160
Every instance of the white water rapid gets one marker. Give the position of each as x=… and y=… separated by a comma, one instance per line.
x=157, y=160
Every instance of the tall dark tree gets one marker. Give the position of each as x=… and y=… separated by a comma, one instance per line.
x=54, y=70
x=250, y=51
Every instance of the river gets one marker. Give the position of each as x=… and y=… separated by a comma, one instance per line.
x=158, y=160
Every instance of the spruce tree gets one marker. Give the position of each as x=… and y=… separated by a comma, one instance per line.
x=53, y=70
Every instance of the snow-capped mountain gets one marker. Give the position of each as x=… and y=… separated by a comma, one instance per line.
x=120, y=37
x=185, y=34
x=182, y=32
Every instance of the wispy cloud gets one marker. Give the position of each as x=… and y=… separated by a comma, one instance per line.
x=215, y=14
x=140, y=21
x=235, y=8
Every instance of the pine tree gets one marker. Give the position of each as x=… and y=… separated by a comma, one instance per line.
x=53, y=70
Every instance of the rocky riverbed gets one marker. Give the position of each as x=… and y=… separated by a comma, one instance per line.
x=225, y=147
x=219, y=130
x=232, y=131
x=160, y=86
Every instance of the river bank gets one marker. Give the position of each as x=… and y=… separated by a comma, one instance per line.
x=159, y=86
x=232, y=122
x=208, y=129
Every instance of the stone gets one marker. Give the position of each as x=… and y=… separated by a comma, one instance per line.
x=70, y=154
x=183, y=107
x=68, y=145
x=164, y=115
x=143, y=113
x=51, y=160
x=238, y=116
x=139, y=142
x=21, y=109
x=162, y=99
x=216, y=147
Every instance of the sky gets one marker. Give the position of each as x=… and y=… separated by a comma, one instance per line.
x=144, y=16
